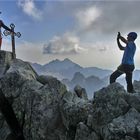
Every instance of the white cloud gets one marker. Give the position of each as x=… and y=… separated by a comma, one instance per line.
x=29, y=7
x=86, y=17
x=66, y=44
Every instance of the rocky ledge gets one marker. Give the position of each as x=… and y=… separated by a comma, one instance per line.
x=45, y=109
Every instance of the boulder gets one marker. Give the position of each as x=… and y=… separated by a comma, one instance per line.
x=133, y=100
x=74, y=109
x=123, y=127
x=108, y=104
x=84, y=133
x=80, y=92
x=136, y=85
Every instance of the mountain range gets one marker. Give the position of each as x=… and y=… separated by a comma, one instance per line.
x=66, y=69
x=72, y=74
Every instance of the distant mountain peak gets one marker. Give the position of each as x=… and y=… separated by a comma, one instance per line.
x=62, y=66
x=78, y=77
x=77, y=74
x=55, y=61
x=67, y=60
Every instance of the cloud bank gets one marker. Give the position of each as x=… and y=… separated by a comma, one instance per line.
x=95, y=21
x=109, y=17
x=99, y=21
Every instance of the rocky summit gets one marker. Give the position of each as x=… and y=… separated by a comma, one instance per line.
x=45, y=110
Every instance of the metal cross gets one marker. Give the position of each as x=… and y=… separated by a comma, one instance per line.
x=18, y=34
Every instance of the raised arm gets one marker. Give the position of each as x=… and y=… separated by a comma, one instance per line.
x=5, y=27
x=123, y=39
x=118, y=41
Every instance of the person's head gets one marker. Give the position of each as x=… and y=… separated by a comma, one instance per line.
x=131, y=36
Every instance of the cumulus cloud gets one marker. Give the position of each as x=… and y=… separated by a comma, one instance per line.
x=29, y=7
x=65, y=44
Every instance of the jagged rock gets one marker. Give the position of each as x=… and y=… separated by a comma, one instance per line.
x=136, y=85
x=84, y=133
x=43, y=105
x=36, y=105
x=23, y=68
x=74, y=109
x=123, y=126
x=133, y=100
x=108, y=104
x=47, y=111
x=4, y=130
x=5, y=60
x=53, y=83
x=17, y=74
x=81, y=92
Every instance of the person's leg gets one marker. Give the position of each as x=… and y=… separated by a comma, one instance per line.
x=0, y=43
x=115, y=75
x=129, y=72
x=129, y=82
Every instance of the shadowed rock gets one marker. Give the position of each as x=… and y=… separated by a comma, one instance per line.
x=47, y=111
x=10, y=118
x=81, y=92
x=123, y=127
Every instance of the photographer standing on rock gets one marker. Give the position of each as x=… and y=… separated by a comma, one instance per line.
x=6, y=28
x=127, y=65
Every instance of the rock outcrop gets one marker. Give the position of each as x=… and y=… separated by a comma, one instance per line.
x=35, y=100
x=5, y=60
x=47, y=111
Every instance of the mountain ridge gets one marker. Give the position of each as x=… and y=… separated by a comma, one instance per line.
x=66, y=68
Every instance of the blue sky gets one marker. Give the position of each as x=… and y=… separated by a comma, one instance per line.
x=82, y=30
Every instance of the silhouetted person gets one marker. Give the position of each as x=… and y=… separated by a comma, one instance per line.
x=2, y=25
x=127, y=65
